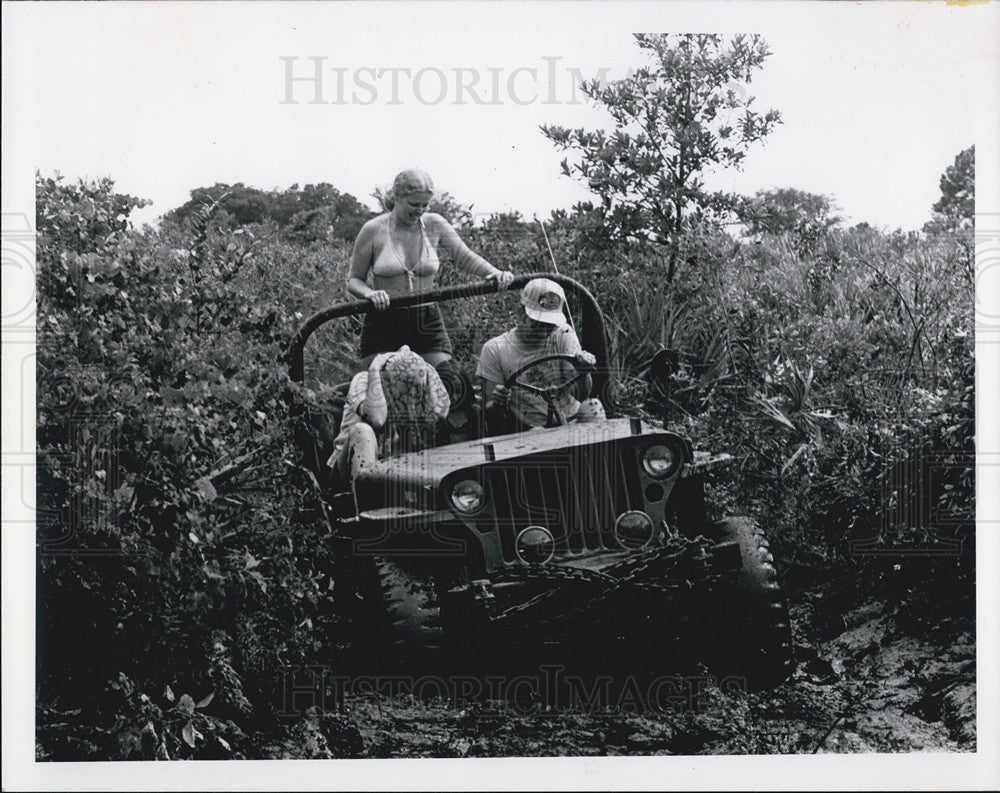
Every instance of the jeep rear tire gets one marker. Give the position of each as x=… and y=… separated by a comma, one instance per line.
x=389, y=614
x=748, y=627
x=411, y=612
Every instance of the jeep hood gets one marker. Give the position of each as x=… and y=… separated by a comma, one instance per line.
x=429, y=466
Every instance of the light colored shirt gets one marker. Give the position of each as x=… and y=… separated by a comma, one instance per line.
x=505, y=354
x=356, y=394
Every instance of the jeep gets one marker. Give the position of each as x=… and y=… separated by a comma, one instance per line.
x=570, y=530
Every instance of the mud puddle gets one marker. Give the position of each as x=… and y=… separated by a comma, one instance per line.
x=871, y=688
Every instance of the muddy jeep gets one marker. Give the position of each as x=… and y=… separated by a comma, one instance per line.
x=560, y=534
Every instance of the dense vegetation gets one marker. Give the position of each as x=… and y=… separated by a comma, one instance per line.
x=835, y=364
x=182, y=567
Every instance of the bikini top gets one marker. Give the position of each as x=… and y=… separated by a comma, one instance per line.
x=390, y=271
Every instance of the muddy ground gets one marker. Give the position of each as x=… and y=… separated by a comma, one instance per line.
x=871, y=685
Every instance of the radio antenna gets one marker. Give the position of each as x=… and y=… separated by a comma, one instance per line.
x=555, y=268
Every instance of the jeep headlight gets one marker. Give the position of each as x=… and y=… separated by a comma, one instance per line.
x=535, y=545
x=634, y=529
x=660, y=461
x=467, y=496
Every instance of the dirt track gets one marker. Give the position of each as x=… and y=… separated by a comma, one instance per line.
x=872, y=688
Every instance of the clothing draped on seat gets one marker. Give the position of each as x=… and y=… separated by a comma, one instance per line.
x=416, y=400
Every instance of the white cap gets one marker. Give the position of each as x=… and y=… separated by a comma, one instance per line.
x=543, y=301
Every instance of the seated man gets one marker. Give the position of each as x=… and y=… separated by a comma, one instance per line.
x=541, y=332
x=401, y=397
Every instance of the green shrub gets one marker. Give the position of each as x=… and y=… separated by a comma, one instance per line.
x=159, y=366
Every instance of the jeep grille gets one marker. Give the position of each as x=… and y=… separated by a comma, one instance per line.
x=575, y=493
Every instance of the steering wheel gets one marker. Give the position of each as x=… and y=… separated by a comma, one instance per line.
x=553, y=392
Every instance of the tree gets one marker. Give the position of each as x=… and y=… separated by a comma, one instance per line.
x=243, y=204
x=314, y=212
x=806, y=218
x=675, y=119
x=956, y=207
x=953, y=214
x=80, y=218
x=789, y=211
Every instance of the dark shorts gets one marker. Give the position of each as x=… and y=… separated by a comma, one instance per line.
x=421, y=327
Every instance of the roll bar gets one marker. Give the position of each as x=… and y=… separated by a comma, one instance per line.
x=593, y=337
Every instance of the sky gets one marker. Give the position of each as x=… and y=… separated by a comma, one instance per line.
x=877, y=99
x=165, y=97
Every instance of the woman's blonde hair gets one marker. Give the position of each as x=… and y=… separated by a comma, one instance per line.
x=412, y=180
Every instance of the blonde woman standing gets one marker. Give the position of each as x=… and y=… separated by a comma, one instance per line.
x=397, y=253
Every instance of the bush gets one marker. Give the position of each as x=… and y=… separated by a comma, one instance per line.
x=180, y=549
